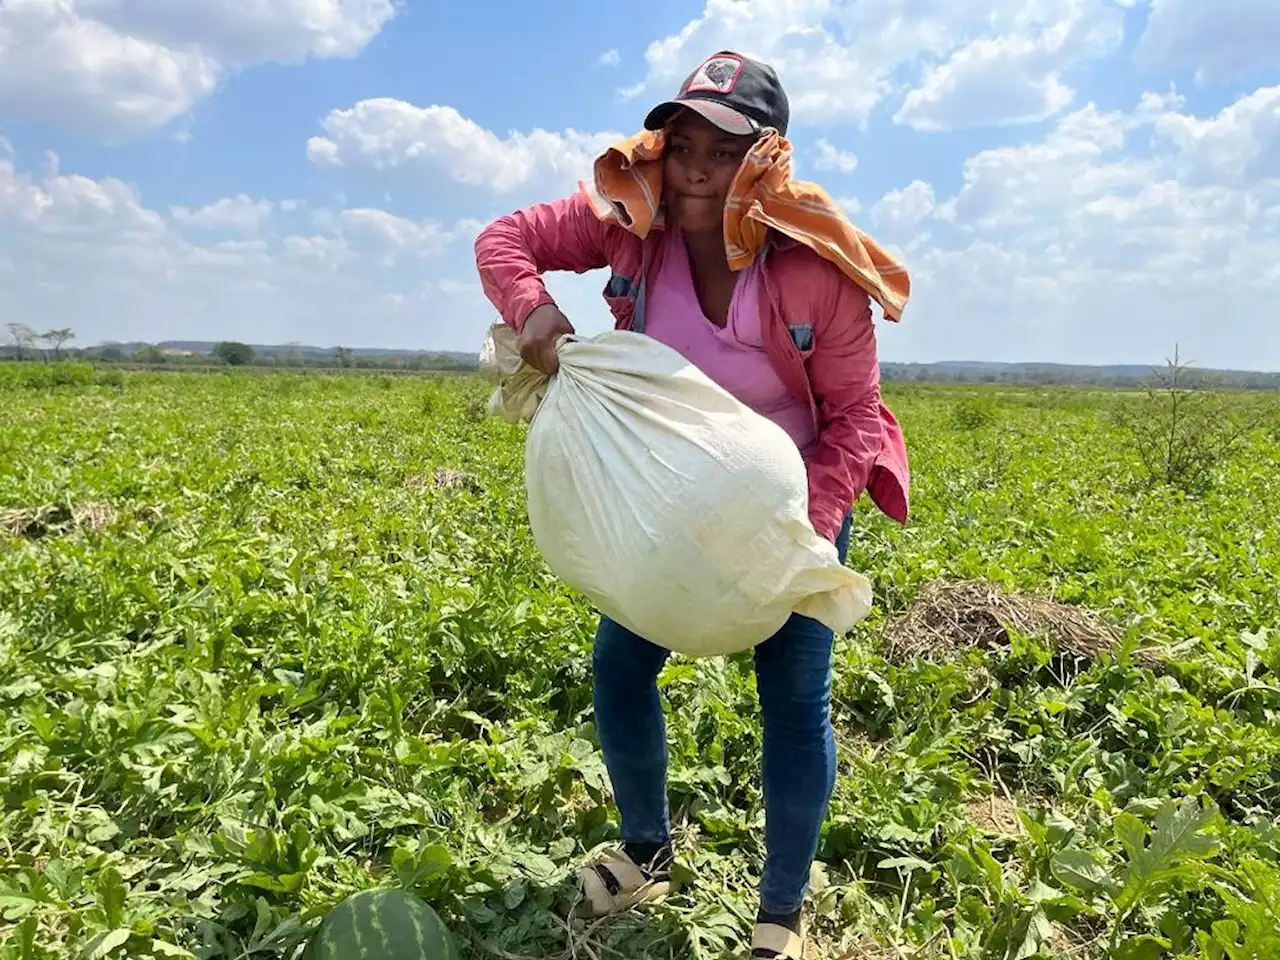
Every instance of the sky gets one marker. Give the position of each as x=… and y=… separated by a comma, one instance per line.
x=1079, y=181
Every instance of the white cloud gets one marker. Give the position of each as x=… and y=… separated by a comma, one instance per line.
x=230, y=213
x=56, y=66
x=238, y=33
x=1108, y=238
x=825, y=78
x=1241, y=144
x=839, y=59
x=1093, y=244
x=830, y=157
x=902, y=209
x=90, y=254
x=117, y=69
x=1033, y=185
x=394, y=235
x=1011, y=78
x=75, y=207
x=315, y=247
x=389, y=135
x=1221, y=40
x=610, y=58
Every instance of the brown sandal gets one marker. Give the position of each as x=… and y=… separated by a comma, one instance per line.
x=774, y=942
x=615, y=884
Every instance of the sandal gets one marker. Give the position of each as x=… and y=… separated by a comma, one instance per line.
x=617, y=883
x=774, y=942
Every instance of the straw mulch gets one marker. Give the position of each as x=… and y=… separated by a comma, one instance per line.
x=446, y=478
x=58, y=518
x=950, y=616
x=450, y=479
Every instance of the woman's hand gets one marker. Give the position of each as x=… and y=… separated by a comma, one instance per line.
x=537, y=341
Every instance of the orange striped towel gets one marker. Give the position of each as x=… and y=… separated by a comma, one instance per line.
x=628, y=190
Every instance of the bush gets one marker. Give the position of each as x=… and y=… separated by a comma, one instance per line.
x=111, y=378
x=973, y=413
x=35, y=376
x=1180, y=427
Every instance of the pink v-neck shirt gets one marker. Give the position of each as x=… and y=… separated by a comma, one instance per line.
x=734, y=356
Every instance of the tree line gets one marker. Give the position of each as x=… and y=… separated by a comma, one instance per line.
x=1031, y=375
x=28, y=343
x=25, y=343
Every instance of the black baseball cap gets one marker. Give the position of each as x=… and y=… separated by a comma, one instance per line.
x=739, y=95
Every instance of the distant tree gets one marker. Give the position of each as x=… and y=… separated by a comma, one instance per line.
x=234, y=353
x=57, y=338
x=148, y=353
x=344, y=356
x=23, y=338
x=111, y=351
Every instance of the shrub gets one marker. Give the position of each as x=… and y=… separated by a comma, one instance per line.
x=111, y=378
x=973, y=413
x=36, y=376
x=1180, y=426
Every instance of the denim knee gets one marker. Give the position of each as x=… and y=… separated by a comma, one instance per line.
x=622, y=658
x=793, y=678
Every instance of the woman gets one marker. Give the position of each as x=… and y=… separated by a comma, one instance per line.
x=786, y=330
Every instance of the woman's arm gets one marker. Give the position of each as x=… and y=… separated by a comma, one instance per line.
x=514, y=251
x=844, y=371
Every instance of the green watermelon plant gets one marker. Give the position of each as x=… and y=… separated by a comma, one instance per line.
x=289, y=639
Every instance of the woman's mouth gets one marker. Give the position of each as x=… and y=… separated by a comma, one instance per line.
x=698, y=204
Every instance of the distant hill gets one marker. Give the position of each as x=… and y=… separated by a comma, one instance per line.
x=1120, y=369
x=1110, y=375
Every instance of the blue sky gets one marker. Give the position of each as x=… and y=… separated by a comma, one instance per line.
x=1068, y=180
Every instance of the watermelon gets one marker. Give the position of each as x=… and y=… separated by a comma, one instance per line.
x=381, y=925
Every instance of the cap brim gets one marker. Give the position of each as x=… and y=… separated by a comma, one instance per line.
x=726, y=118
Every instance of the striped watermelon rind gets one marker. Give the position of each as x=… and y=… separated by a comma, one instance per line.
x=381, y=925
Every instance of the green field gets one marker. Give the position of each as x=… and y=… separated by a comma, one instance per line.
x=266, y=640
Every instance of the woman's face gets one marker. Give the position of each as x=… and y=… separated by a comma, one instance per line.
x=700, y=164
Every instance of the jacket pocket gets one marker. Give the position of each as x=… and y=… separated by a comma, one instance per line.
x=620, y=297
x=802, y=337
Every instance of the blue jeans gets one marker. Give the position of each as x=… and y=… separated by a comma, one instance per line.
x=793, y=680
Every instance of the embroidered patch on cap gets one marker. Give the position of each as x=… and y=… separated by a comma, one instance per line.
x=718, y=74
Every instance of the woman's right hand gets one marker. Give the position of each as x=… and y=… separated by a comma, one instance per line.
x=537, y=341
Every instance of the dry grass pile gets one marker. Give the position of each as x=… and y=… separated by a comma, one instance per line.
x=445, y=478
x=448, y=478
x=56, y=518
x=950, y=616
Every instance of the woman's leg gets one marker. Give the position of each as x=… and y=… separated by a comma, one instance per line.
x=632, y=731
x=793, y=677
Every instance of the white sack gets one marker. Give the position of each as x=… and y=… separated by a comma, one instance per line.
x=677, y=510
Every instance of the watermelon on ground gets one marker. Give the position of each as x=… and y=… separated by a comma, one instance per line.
x=381, y=925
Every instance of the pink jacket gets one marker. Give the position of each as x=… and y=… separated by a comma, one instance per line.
x=819, y=334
